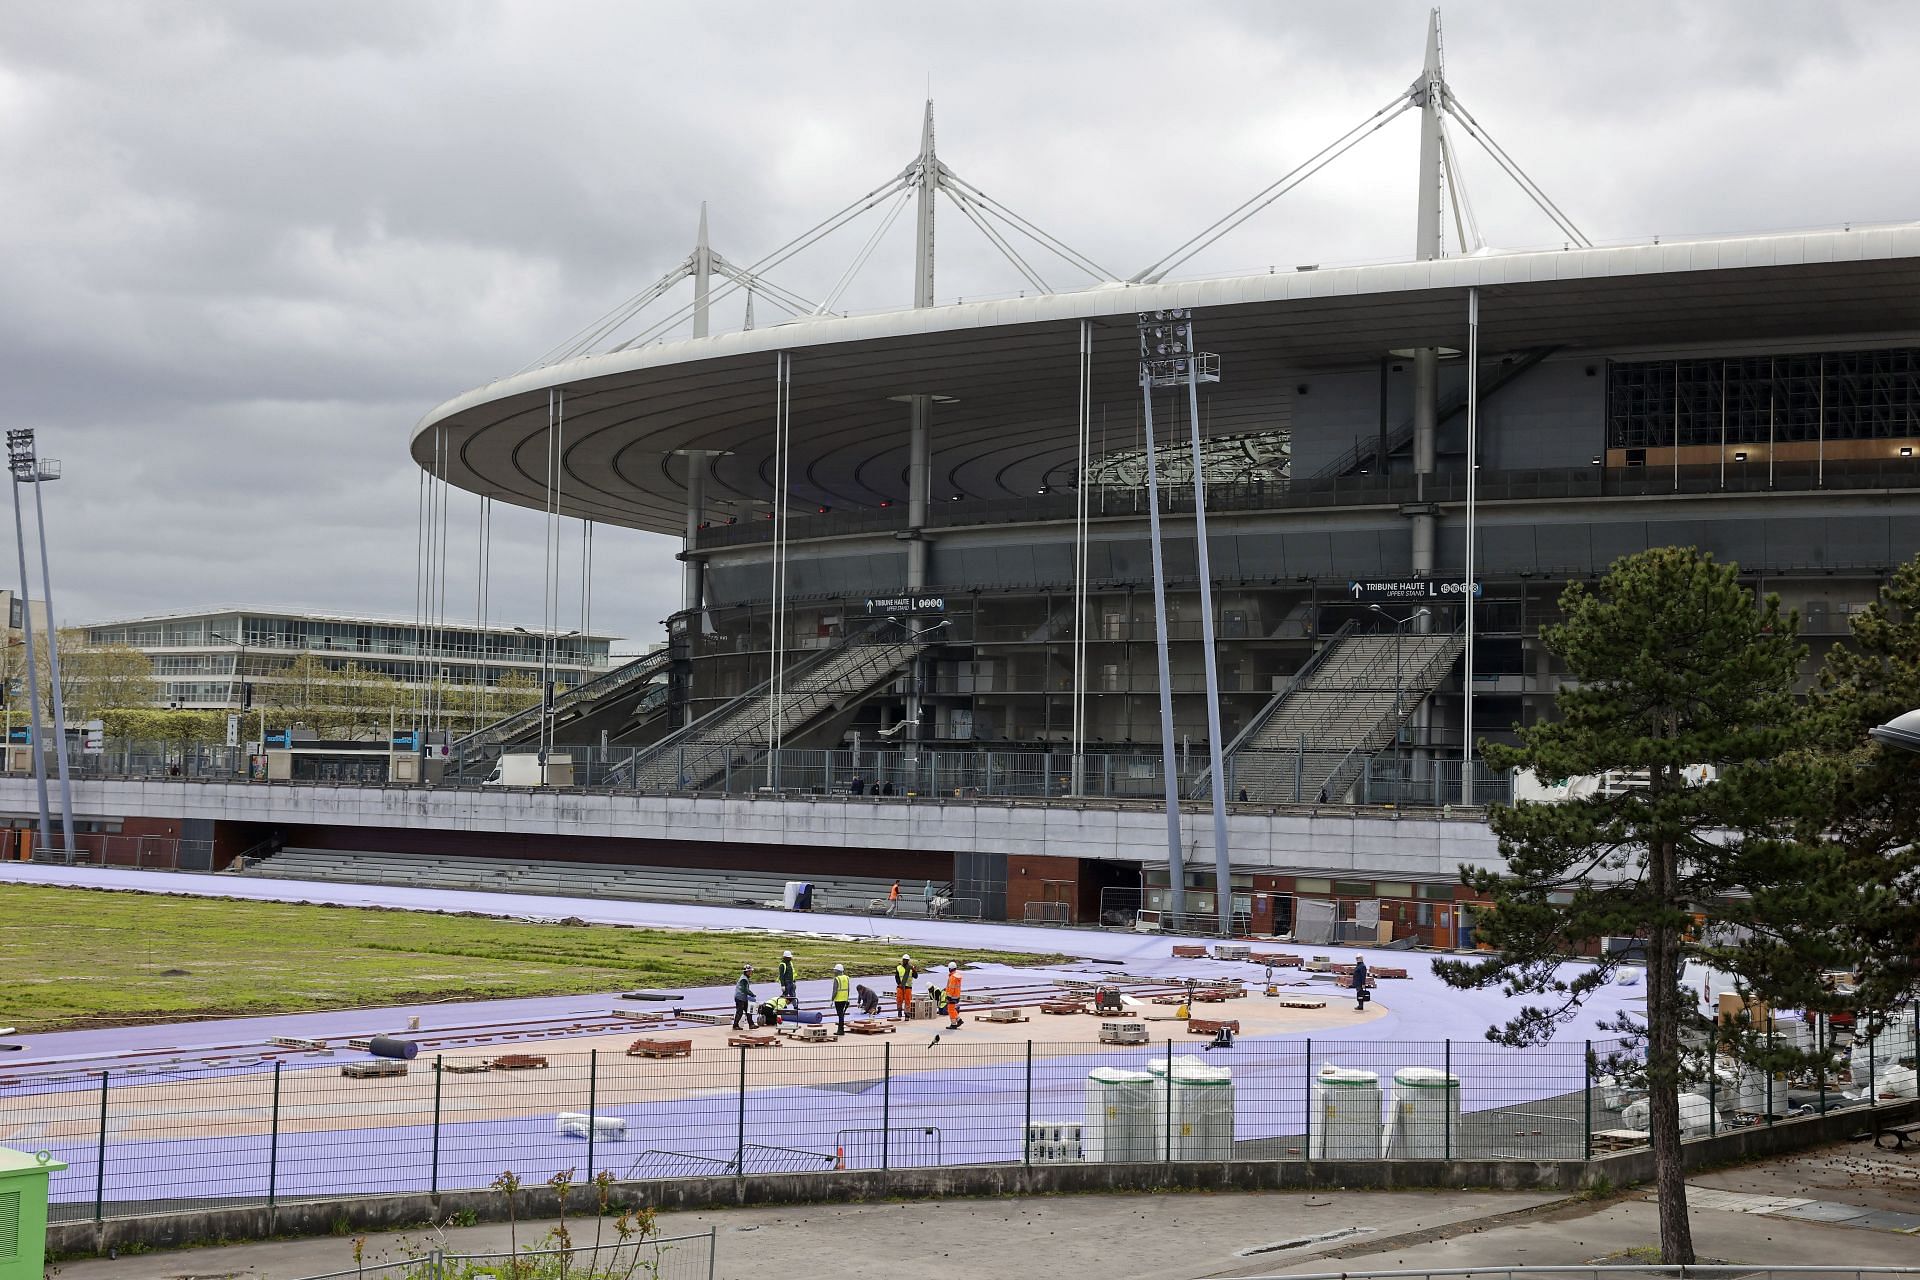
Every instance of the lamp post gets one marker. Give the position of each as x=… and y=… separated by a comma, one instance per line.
x=1903, y=732
x=1399, y=682
x=547, y=639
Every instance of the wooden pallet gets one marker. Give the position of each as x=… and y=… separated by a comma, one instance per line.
x=374, y=1070
x=747, y=1040
x=1001, y=1015
x=1618, y=1139
x=1216, y=995
x=1123, y=1033
x=519, y=1062
x=1063, y=1006
x=873, y=1027
x=1277, y=959
x=644, y=1048
x=466, y=1066
x=1212, y=1026
x=1189, y=953
x=1295, y=1002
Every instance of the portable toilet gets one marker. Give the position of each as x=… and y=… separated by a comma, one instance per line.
x=23, y=1212
x=1201, y=1096
x=1423, y=1122
x=1123, y=1116
x=1345, y=1115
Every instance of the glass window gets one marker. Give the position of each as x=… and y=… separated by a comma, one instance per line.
x=1307, y=884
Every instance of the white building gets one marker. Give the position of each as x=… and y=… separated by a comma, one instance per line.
x=205, y=660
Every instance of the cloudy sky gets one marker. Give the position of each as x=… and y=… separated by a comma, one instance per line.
x=244, y=246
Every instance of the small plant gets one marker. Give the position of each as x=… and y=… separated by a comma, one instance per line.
x=508, y=1185
x=462, y=1218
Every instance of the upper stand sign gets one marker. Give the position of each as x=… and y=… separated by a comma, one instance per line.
x=1381, y=591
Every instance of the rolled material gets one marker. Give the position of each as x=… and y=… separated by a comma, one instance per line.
x=388, y=1047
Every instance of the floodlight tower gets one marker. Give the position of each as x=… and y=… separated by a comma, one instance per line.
x=27, y=468
x=925, y=185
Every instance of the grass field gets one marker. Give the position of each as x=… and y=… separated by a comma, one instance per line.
x=89, y=958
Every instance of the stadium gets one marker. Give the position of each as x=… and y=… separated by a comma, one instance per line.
x=919, y=546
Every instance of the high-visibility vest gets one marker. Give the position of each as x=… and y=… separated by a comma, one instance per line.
x=953, y=985
x=786, y=973
x=902, y=975
x=840, y=988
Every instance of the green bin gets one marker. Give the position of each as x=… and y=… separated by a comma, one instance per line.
x=23, y=1212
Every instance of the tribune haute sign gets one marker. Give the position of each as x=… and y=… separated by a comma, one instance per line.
x=1383, y=591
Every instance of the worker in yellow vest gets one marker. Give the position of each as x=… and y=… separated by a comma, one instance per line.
x=842, y=996
x=903, y=975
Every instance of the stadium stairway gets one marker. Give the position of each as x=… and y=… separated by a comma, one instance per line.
x=814, y=691
x=621, y=702
x=1312, y=742
x=582, y=879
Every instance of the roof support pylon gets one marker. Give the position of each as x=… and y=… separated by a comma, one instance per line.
x=702, y=275
x=926, y=182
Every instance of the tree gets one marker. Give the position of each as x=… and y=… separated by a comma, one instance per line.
x=95, y=679
x=364, y=702
x=1672, y=666
x=1860, y=840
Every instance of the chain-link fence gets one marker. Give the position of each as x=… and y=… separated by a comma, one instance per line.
x=148, y=1139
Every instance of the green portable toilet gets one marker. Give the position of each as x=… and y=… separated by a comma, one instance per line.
x=23, y=1212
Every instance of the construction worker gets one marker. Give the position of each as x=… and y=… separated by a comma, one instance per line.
x=1359, y=984
x=893, y=899
x=770, y=1011
x=787, y=987
x=743, y=998
x=903, y=975
x=842, y=996
x=953, y=996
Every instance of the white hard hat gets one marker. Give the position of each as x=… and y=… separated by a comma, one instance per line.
x=839, y=968
x=952, y=965
x=786, y=955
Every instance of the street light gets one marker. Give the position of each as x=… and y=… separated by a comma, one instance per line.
x=1903, y=732
x=1399, y=683
x=28, y=468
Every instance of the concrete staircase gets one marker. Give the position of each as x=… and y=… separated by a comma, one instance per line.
x=1312, y=742
x=735, y=736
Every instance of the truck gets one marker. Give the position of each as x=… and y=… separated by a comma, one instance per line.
x=524, y=769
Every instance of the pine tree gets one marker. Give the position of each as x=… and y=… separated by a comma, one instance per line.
x=1858, y=842
x=1671, y=666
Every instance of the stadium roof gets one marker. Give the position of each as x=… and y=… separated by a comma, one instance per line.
x=1006, y=383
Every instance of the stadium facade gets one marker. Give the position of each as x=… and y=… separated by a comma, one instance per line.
x=926, y=533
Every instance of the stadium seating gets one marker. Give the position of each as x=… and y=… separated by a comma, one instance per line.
x=582, y=879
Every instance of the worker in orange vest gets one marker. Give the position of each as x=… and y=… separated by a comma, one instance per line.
x=953, y=996
x=893, y=899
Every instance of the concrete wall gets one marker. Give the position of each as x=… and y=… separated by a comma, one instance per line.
x=1374, y=843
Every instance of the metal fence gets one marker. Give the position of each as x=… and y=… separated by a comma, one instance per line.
x=609, y=1257
x=1387, y=779
x=165, y=1137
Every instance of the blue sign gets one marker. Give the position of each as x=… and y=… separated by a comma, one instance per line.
x=20, y=735
x=407, y=739
x=282, y=738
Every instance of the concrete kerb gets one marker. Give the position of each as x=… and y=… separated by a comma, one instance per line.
x=392, y=1212
x=396, y=1212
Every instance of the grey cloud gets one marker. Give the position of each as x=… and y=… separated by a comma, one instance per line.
x=245, y=246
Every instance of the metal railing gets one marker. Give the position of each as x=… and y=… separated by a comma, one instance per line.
x=895, y=773
x=1358, y=491
x=642, y=668
x=176, y=1135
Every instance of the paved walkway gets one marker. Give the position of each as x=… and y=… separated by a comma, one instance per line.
x=1176, y=1237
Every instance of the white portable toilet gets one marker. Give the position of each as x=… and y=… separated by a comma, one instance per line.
x=1345, y=1115
x=1123, y=1116
x=1424, y=1114
x=1202, y=1122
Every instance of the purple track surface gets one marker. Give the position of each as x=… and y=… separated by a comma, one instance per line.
x=977, y=1112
